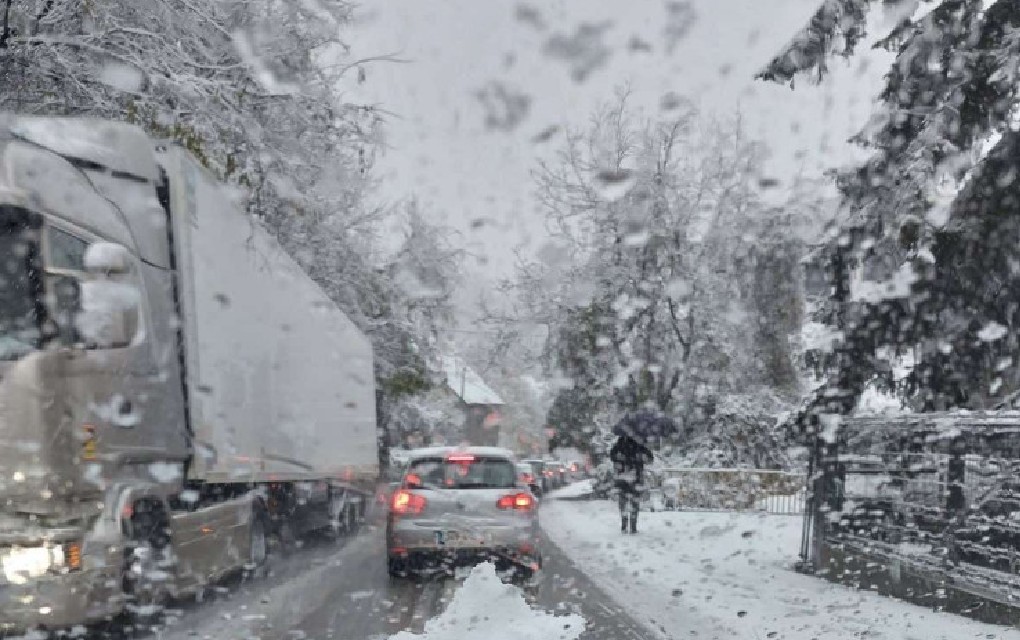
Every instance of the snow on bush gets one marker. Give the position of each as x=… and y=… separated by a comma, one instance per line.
x=484, y=607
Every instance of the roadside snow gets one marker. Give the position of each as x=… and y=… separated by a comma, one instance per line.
x=575, y=490
x=727, y=575
x=484, y=607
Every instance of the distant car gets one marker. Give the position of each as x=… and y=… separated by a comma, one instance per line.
x=460, y=506
x=576, y=469
x=538, y=468
x=551, y=471
x=526, y=476
x=563, y=472
x=399, y=457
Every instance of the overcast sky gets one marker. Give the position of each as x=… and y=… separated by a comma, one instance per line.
x=476, y=177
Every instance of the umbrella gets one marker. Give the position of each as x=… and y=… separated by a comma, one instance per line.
x=645, y=425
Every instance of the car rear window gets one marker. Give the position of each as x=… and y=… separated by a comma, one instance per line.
x=464, y=473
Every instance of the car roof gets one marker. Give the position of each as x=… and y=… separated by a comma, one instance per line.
x=442, y=452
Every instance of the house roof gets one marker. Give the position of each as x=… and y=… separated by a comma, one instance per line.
x=466, y=384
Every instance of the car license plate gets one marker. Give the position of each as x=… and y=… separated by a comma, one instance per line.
x=451, y=538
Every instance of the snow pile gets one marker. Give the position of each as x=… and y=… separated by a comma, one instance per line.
x=875, y=400
x=484, y=607
x=575, y=490
x=729, y=575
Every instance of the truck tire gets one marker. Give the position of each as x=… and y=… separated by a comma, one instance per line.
x=338, y=519
x=396, y=567
x=286, y=537
x=352, y=518
x=258, y=549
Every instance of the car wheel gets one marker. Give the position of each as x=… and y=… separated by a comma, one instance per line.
x=396, y=567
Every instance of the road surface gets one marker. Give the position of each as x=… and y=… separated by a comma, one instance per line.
x=363, y=602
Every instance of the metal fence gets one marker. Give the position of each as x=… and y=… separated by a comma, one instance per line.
x=764, y=490
x=939, y=485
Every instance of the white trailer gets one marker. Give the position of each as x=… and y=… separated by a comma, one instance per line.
x=280, y=382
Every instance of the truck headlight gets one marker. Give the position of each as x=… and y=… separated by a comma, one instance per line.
x=20, y=564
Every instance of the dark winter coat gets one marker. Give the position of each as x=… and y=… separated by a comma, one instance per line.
x=629, y=459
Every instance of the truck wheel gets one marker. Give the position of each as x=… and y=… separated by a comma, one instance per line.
x=286, y=538
x=352, y=519
x=258, y=554
x=396, y=567
x=338, y=524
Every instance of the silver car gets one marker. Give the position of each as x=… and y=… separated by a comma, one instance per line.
x=461, y=506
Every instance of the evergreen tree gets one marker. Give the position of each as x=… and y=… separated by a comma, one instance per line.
x=927, y=260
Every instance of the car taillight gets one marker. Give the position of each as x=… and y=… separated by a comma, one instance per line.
x=521, y=501
x=404, y=501
x=573, y=467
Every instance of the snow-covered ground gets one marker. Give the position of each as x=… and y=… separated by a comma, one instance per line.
x=484, y=607
x=729, y=575
x=573, y=490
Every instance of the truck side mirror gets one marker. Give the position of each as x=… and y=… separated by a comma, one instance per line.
x=107, y=259
x=109, y=314
x=109, y=310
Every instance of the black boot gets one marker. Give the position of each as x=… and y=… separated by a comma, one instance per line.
x=623, y=525
x=633, y=523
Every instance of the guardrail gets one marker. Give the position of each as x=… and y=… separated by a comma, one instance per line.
x=765, y=490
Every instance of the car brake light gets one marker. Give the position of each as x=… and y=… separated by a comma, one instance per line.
x=406, y=502
x=522, y=501
x=412, y=479
x=573, y=467
x=460, y=457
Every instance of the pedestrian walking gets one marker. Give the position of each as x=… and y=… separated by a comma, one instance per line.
x=629, y=458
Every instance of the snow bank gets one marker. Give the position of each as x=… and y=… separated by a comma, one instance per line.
x=729, y=575
x=484, y=607
x=574, y=490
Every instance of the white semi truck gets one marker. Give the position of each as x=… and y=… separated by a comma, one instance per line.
x=175, y=391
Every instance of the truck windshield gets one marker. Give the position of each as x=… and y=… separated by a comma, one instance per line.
x=21, y=309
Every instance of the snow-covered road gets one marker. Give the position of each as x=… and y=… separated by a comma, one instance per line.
x=328, y=592
x=729, y=575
